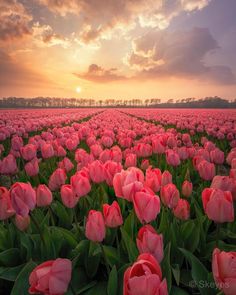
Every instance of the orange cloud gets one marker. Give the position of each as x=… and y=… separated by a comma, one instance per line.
x=14, y=21
x=98, y=74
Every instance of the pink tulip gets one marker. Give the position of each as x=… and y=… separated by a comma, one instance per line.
x=22, y=223
x=110, y=170
x=182, y=210
x=170, y=195
x=187, y=188
x=68, y=197
x=66, y=164
x=145, y=164
x=112, y=215
x=206, y=170
x=146, y=205
x=131, y=160
x=153, y=179
x=57, y=179
x=223, y=268
x=51, y=277
x=80, y=184
x=95, y=226
x=32, y=167
x=6, y=209
x=96, y=171
x=8, y=165
x=28, y=152
x=23, y=198
x=128, y=182
x=166, y=178
x=224, y=183
x=144, y=277
x=43, y=196
x=218, y=205
x=217, y=156
x=47, y=151
x=149, y=241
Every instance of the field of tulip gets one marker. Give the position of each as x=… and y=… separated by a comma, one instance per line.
x=117, y=201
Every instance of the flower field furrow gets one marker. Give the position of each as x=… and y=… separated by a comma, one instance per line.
x=117, y=201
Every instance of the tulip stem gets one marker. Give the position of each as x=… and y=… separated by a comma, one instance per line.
x=51, y=214
x=76, y=220
x=72, y=289
x=117, y=244
x=38, y=228
x=217, y=234
x=105, y=260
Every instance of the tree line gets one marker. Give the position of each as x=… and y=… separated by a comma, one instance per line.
x=56, y=102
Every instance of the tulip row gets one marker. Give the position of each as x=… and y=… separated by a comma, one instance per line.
x=118, y=205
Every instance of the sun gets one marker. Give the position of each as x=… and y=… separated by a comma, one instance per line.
x=78, y=89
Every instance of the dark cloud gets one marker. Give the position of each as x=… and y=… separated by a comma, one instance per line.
x=100, y=17
x=14, y=20
x=98, y=74
x=181, y=53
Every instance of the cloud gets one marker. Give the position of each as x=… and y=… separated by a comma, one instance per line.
x=177, y=54
x=14, y=21
x=98, y=74
x=44, y=36
x=99, y=18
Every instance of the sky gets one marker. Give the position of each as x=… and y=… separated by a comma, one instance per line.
x=118, y=49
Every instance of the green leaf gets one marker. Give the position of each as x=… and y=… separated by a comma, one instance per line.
x=62, y=214
x=26, y=245
x=10, y=257
x=166, y=267
x=178, y=291
x=199, y=273
x=111, y=255
x=112, y=282
x=10, y=273
x=190, y=233
x=93, y=259
x=99, y=289
x=176, y=273
x=22, y=280
x=130, y=245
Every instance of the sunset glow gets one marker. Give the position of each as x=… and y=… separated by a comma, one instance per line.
x=118, y=49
